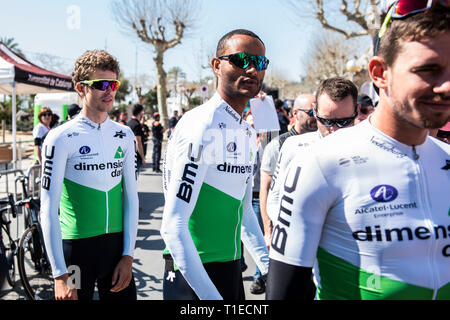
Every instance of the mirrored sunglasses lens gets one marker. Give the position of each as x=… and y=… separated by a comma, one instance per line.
x=405, y=7
x=240, y=60
x=103, y=85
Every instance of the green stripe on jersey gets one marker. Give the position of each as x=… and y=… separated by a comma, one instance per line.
x=340, y=279
x=83, y=210
x=215, y=225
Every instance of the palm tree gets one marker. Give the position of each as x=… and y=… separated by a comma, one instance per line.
x=12, y=45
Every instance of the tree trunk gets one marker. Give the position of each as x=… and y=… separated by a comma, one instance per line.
x=161, y=89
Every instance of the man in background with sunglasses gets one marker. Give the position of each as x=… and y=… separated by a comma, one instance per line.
x=89, y=174
x=369, y=206
x=207, y=180
x=365, y=107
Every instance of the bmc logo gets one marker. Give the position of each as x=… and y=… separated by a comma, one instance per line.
x=384, y=193
x=85, y=150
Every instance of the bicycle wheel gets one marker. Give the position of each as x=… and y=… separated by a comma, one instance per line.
x=34, y=268
x=9, y=250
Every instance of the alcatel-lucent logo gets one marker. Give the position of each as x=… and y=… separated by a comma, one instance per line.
x=384, y=193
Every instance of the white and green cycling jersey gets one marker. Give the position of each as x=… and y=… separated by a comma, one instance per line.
x=372, y=215
x=89, y=175
x=208, y=191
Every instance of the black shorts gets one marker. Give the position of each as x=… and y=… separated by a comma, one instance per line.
x=226, y=276
x=97, y=257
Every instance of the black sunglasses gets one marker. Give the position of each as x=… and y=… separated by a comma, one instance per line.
x=242, y=60
x=309, y=112
x=443, y=134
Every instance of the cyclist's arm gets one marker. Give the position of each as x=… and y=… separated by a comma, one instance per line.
x=131, y=200
x=305, y=200
x=251, y=233
x=187, y=173
x=274, y=190
x=54, y=158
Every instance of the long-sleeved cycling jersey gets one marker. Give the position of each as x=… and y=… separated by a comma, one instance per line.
x=89, y=174
x=291, y=147
x=371, y=214
x=208, y=191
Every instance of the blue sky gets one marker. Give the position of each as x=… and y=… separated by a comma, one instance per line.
x=42, y=26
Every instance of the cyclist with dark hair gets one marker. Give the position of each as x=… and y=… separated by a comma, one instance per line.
x=208, y=182
x=368, y=207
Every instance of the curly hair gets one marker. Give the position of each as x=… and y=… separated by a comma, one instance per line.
x=91, y=61
x=423, y=25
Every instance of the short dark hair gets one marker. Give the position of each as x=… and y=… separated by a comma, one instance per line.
x=222, y=44
x=414, y=28
x=337, y=88
x=137, y=108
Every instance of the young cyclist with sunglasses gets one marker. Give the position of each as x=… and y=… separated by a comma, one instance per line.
x=369, y=206
x=207, y=182
x=89, y=173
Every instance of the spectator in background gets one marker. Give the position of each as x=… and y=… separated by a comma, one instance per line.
x=365, y=107
x=136, y=127
x=115, y=114
x=72, y=111
x=283, y=118
x=442, y=134
x=55, y=121
x=146, y=132
x=172, y=123
x=123, y=118
x=41, y=130
x=157, y=137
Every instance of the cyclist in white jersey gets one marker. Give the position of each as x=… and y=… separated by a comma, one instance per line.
x=89, y=174
x=369, y=208
x=208, y=182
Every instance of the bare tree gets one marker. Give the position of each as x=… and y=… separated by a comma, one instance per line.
x=328, y=58
x=361, y=15
x=160, y=23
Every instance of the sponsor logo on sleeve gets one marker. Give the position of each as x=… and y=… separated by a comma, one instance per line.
x=189, y=173
x=280, y=231
x=48, y=167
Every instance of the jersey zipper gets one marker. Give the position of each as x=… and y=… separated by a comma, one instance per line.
x=423, y=191
x=102, y=146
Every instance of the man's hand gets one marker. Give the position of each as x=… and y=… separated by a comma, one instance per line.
x=261, y=95
x=122, y=274
x=62, y=290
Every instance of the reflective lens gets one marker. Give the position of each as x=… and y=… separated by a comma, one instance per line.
x=102, y=84
x=242, y=60
x=339, y=122
x=309, y=112
x=405, y=8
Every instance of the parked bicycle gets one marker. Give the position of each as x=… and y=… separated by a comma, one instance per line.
x=34, y=266
x=7, y=243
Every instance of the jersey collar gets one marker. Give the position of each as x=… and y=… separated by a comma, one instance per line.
x=91, y=124
x=227, y=108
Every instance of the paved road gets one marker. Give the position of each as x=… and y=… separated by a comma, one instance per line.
x=148, y=263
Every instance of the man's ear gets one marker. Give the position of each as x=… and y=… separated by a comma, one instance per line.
x=79, y=89
x=215, y=64
x=378, y=72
